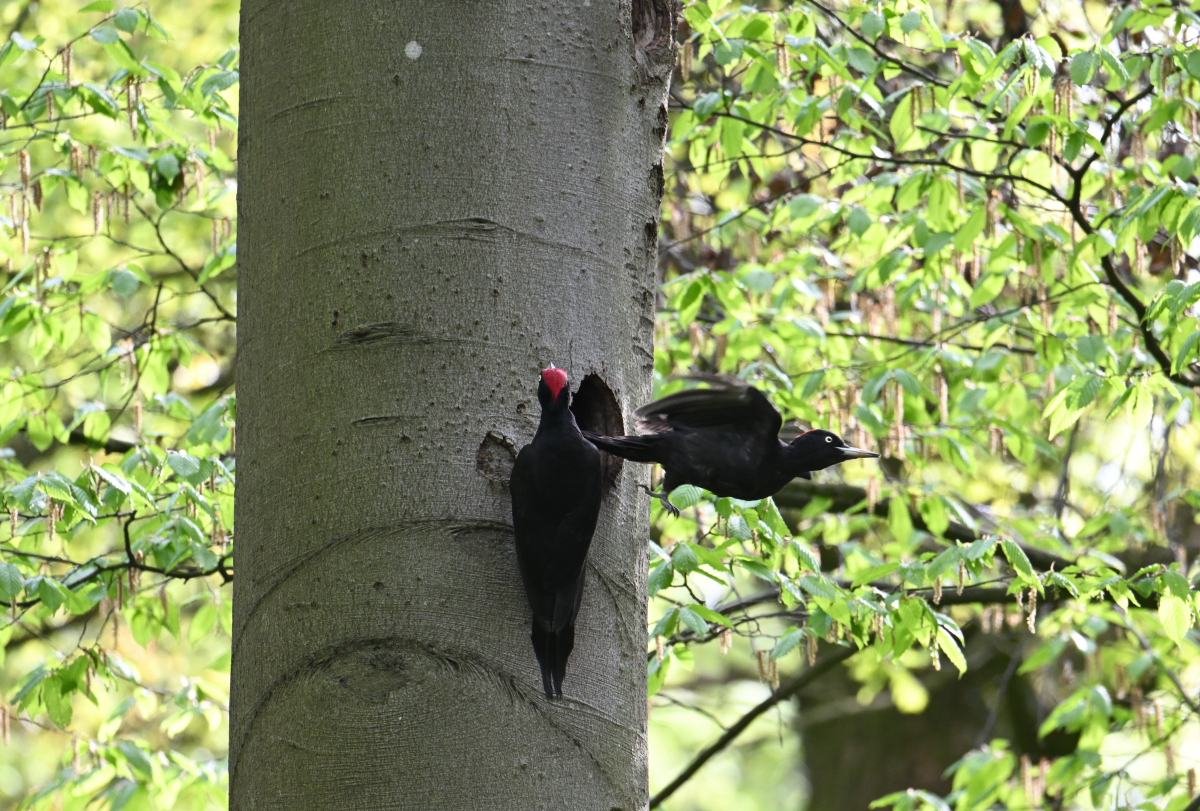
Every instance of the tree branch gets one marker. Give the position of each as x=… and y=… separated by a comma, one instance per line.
x=912, y=70
x=1145, y=643
x=799, y=494
x=785, y=691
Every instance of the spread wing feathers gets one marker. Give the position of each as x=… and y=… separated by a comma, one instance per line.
x=633, y=448
x=722, y=406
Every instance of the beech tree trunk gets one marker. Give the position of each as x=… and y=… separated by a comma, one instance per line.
x=436, y=200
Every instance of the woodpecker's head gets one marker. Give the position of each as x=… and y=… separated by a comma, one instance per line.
x=819, y=449
x=553, y=390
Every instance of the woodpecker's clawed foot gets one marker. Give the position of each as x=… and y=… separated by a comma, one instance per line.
x=662, y=499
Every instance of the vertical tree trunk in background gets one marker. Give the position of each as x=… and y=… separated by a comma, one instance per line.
x=436, y=200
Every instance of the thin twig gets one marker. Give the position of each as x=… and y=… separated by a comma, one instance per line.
x=785, y=691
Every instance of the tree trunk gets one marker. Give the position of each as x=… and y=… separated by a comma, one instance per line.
x=436, y=200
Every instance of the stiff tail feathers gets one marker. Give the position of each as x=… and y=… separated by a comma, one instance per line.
x=633, y=448
x=552, y=648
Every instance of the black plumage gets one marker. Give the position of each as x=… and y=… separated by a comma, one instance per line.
x=724, y=438
x=555, y=487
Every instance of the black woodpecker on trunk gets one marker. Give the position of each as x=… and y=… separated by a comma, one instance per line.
x=555, y=487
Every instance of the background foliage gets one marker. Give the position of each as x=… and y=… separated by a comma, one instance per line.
x=961, y=234
x=116, y=342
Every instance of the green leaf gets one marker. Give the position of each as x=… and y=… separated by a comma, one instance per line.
x=127, y=20
x=805, y=557
x=121, y=53
x=693, y=621
x=29, y=683
x=167, y=166
x=1037, y=131
x=1019, y=561
x=49, y=591
x=218, y=263
x=222, y=81
x=210, y=426
x=964, y=240
x=987, y=289
x=950, y=647
x=907, y=382
x=1176, y=583
x=1175, y=616
x=1083, y=67
x=874, y=573
x=872, y=25
x=858, y=220
x=686, y=495
x=683, y=558
x=11, y=582
x=933, y=511
x=660, y=577
x=910, y=22
x=1048, y=652
x=787, y=643
x=712, y=616
x=103, y=6
x=137, y=758
x=1066, y=406
x=106, y=35
x=666, y=623
x=184, y=464
x=817, y=586
x=1114, y=66
x=899, y=521
x=1186, y=352
x=57, y=701
x=113, y=479
x=124, y=282
x=1141, y=407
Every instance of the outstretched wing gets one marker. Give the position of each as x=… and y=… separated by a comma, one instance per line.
x=722, y=406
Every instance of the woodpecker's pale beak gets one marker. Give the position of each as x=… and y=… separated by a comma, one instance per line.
x=858, y=453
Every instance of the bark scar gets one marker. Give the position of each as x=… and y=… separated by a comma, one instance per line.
x=385, y=655
x=386, y=332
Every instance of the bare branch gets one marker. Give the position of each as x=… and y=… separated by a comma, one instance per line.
x=785, y=691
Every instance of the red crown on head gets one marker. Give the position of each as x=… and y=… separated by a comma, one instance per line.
x=556, y=380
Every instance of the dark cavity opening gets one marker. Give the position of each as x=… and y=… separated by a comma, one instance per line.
x=651, y=25
x=596, y=409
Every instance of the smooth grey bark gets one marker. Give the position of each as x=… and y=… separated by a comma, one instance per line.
x=436, y=200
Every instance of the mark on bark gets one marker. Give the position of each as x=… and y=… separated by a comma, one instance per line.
x=374, y=668
x=656, y=181
x=284, y=573
x=371, y=673
x=476, y=228
x=385, y=420
x=651, y=234
x=390, y=332
x=495, y=458
x=596, y=409
x=660, y=124
x=481, y=528
x=374, y=333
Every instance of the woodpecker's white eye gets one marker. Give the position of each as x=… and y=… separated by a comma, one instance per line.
x=829, y=439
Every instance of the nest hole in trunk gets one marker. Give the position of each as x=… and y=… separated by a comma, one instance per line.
x=596, y=409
